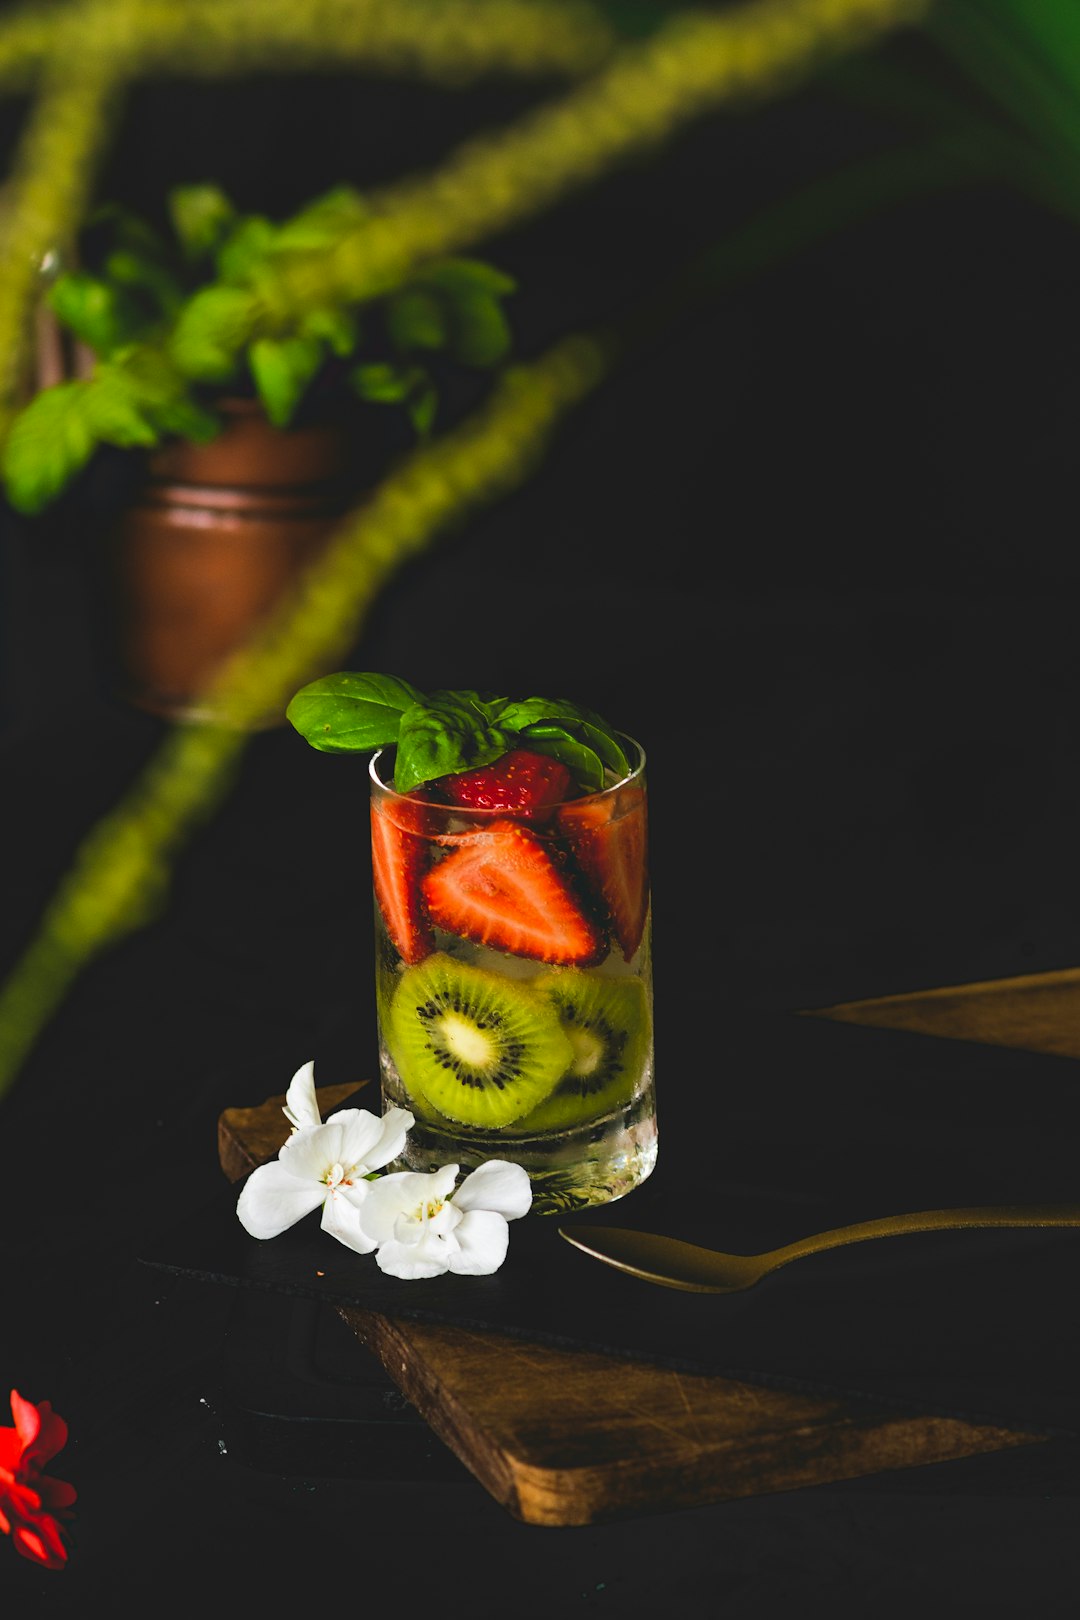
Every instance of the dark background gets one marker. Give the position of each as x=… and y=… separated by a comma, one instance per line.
x=812, y=545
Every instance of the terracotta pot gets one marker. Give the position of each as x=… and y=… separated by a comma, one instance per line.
x=213, y=538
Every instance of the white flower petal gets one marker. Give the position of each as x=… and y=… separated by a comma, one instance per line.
x=387, y=1199
x=369, y=1141
x=482, y=1240
x=410, y=1260
x=361, y=1132
x=310, y=1152
x=271, y=1200
x=445, y=1219
x=407, y=1229
x=301, y=1106
x=396, y=1125
x=497, y=1185
x=341, y=1219
x=440, y=1183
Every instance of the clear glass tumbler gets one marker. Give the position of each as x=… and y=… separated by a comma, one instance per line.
x=514, y=984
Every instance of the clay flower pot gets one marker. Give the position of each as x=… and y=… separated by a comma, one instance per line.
x=213, y=537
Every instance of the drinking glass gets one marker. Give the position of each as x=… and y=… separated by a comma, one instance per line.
x=514, y=984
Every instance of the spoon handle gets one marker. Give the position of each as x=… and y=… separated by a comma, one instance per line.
x=928, y=1220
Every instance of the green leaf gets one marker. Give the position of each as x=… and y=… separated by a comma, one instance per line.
x=479, y=330
x=380, y=383
x=476, y=329
x=187, y=419
x=582, y=761
x=350, y=712
x=48, y=442
x=539, y=718
x=114, y=412
x=488, y=708
x=422, y=407
x=469, y=276
x=282, y=370
x=202, y=216
x=337, y=328
x=384, y=384
x=443, y=735
x=211, y=330
x=323, y=223
x=154, y=280
x=102, y=316
x=415, y=319
x=246, y=244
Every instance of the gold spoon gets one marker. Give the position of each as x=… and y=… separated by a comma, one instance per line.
x=675, y=1264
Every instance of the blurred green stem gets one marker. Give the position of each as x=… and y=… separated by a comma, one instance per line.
x=448, y=41
x=47, y=192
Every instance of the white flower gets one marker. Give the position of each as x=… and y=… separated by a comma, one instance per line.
x=421, y=1227
x=322, y=1165
x=301, y=1105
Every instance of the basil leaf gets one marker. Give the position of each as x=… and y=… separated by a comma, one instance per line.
x=201, y=217
x=580, y=723
x=443, y=735
x=381, y=383
x=250, y=238
x=102, y=316
x=422, y=409
x=337, y=328
x=488, y=708
x=475, y=275
x=492, y=708
x=115, y=413
x=211, y=329
x=282, y=368
x=480, y=331
x=583, y=762
x=415, y=320
x=48, y=443
x=348, y=713
x=320, y=226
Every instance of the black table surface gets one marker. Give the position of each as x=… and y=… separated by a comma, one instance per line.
x=845, y=634
x=889, y=804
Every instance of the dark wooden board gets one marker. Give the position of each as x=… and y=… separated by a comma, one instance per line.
x=1038, y=1012
x=561, y=1437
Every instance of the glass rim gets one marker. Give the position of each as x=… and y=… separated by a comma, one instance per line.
x=635, y=774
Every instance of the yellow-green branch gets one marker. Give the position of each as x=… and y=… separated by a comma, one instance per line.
x=447, y=41
x=119, y=875
x=636, y=103
x=45, y=196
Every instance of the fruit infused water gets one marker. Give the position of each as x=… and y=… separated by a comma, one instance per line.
x=512, y=933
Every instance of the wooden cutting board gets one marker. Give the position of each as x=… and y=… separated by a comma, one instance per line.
x=560, y=1437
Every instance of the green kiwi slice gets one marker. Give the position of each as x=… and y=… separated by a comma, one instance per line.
x=607, y=1022
x=475, y=1047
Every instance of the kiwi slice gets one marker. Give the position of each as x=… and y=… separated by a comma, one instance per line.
x=476, y=1047
x=606, y=1021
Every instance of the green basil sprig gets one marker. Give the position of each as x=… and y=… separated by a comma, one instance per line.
x=444, y=733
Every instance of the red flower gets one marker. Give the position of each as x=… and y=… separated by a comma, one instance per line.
x=32, y=1502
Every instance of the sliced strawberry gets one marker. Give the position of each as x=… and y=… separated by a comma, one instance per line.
x=398, y=859
x=607, y=837
x=521, y=782
x=503, y=889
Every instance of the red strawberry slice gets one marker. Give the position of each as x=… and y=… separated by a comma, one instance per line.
x=501, y=888
x=608, y=840
x=521, y=781
x=398, y=859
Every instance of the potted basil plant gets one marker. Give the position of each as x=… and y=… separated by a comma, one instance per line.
x=244, y=455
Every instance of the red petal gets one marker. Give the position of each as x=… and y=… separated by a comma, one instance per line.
x=27, y=1419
